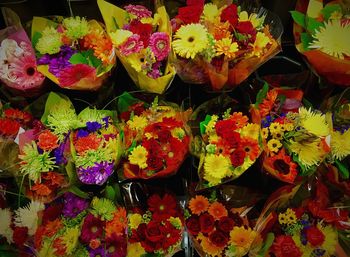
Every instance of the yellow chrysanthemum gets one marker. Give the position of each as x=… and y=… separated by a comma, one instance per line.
x=135, y=220
x=137, y=123
x=226, y=47
x=138, y=157
x=50, y=41
x=210, y=12
x=333, y=39
x=261, y=41
x=340, y=144
x=313, y=122
x=274, y=145
x=250, y=130
x=242, y=238
x=287, y=218
x=135, y=250
x=253, y=18
x=76, y=27
x=190, y=40
x=309, y=153
x=217, y=166
x=70, y=239
x=120, y=36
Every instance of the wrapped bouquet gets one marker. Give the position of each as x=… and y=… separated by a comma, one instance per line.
x=223, y=44
x=142, y=42
x=72, y=52
x=156, y=138
x=320, y=32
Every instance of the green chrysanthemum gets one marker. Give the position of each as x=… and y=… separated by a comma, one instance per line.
x=92, y=115
x=91, y=157
x=76, y=27
x=33, y=163
x=103, y=208
x=50, y=41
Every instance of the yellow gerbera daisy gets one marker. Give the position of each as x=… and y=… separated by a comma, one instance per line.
x=274, y=145
x=309, y=153
x=135, y=220
x=216, y=166
x=135, y=250
x=137, y=123
x=190, y=40
x=120, y=36
x=138, y=157
x=226, y=47
x=275, y=127
x=313, y=122
x=340, y=144
x=210, y=12
x=242, y=238
x=250, y=130
x=261, y=41
x=333, y=39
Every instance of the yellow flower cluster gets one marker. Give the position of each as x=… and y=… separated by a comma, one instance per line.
x=287, y=218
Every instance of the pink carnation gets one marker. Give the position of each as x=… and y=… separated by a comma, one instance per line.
x=132, y=45
x=160, y=45
x=138, y=10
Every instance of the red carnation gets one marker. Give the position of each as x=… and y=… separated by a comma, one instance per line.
x=195, y=2
x=52, y=212
x=207, y=223
x=9, y=127
x=144, y=30
x=20, y=235
x=16, y=114
x=218, y=238
x=315, y=236
x=193, y=225
x=190, y=14
x=233, y=139
x=225, y=127
x=237, y=157
x=230, y=14
x=285, y=246
x=226, y=224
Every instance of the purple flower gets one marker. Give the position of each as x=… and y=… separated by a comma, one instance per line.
x=97, y=174
x=155, y=72
x=100, y=251
x=82, y=133
x=59, y=154
x=106, y=120
x=73, y=205
x=93, y=126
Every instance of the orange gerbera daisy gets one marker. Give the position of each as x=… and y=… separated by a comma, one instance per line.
x=209, y=247
x=251, y=147
x=221, y=31
x=118, y=224
x=104, y=51
x=267, y=104
x=240, y=119
x=198, y=204
x=217, y=210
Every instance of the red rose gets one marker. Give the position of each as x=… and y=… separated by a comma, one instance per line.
x=230, y=14
x=246, y=27
x=226, y=224
x=144, y=30
x=153, y=232
x=193, y=225
x=207, y=223
x=233, y=138
x=218, y=238
x=190, y=14
x=314, y=236
x=237, y=157
x=20, y=235
x=285, y=246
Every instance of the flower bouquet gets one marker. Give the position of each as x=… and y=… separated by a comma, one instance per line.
x=305, y=222
x=222, y=45
x=156, y=138
x=143, y=44
x=295, y=138
x=72, y=52
x=157, y=229
x=219, y=228
x=320, y=32
x=96, y=146
x=18, y=69
x=77, y=227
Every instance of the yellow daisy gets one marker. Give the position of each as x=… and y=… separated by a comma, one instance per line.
x=217, y=166
x=138, y=157
x=261, y=41
x=333, y=39
x=274, y=145
x=137, y=123
x=265, y=132
x=120, y=36
x=289, y=126
x=314, y=122
x=190, y=40
x=340, y=144
x=309, y=153
x=135, y=220
x=135, y=250
x=278, y=135
x=287, y=218
x=275, y=127
x=226, y=47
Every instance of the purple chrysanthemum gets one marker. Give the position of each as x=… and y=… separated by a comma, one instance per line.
x=100, y=251
x=97, y=174
x=93, y=126
x=73, y=205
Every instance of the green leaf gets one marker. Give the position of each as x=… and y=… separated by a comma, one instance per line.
x=306, y=40
x=78, y=58
x=125, y=101
x=92, y=59
x=204, y=123
x=37, y=35
x=313, y=25
x=343, y=169
x=261, y=94
x=51, y=101
x=299, y=18
x=329, y=9
x=110, y=193
x=75, y=190
x=307, y=104
x=270, y=237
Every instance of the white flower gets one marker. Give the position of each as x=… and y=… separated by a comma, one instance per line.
x=5, y=223
x=27, y=216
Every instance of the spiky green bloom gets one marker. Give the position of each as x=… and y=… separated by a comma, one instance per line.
x=176, y=222
x=76, y=27
x=62, y=118
x=91, y=115
x=33, y=163
x=70, y=239
x=50, y=41
x=102, y=207
x=90, y=157
x=209, y=53
x=81, y=252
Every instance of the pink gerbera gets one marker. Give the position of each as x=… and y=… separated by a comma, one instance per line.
x=160, y=45
x=23, y=72
x=138, y=10
x=132, y=45
x=73, y=74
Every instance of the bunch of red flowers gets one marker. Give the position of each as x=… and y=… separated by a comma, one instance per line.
x=12, y=120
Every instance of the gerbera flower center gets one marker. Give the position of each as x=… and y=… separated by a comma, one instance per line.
x=190, y=39
x=161, y=45
x=131, y=45
x=170, y=154
x=247, y=149
x=30, y=71
x=111, y=249
x=281, y=166
x=161, y=207
x=94, y=229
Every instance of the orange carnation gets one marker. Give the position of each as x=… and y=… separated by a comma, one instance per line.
x=198, y=204
x=47, y=140
x=83, y=144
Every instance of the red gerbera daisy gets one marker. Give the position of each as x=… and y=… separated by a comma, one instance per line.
x=73, y=74
x=92, y=228
x=251, y=147
x=162, y=208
